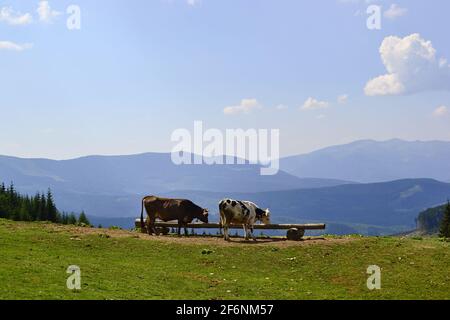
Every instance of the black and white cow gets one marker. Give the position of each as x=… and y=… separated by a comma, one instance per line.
x=241, y=212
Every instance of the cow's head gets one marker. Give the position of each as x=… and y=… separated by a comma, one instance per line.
x=265, y=218
x=203, y=216
x=227, y=204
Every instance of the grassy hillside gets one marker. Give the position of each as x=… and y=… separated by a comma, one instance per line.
x=126, y=265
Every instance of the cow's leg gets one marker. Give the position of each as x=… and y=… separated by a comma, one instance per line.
x=186, y=233
x=226, y=236
x=151, y=228
x=246, y=231
x=154, y=231
x=179, y=228
x=220, y=226
x=151, y=224
x=252, y=234
x=226, y=233
x=147, y=225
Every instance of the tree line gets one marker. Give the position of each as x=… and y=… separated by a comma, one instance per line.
x=435, y=220
x=444, y=230
x=40, y=207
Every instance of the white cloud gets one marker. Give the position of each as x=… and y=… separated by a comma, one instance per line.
x=281, y=107
x=14, y=18
x=443, y=62
x=314, y=104
x=246, y=106
x=441, y=111
x=8, y=45
x=342, y=99
x=412, y=67
x=193, y=3
x=45, y=12
x=395, y=11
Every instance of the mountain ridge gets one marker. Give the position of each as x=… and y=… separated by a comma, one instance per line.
x=367, y=161
x=147, y=172
x=373, y=208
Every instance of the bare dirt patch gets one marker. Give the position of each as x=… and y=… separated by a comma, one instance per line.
x=216, y=241
x=77, y=232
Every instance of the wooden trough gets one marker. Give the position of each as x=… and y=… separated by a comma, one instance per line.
x=295, y=232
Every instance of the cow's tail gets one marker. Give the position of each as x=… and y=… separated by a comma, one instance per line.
x=220, y=218
x=142, y=214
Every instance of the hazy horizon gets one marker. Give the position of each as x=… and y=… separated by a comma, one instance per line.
x=284, y=156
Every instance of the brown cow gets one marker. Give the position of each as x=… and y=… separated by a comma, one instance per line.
x=185, y=211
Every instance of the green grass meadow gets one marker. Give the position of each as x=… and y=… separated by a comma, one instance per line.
x=34, y=258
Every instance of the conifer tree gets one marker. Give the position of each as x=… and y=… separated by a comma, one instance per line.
x=445, y=224
x=43, y=216
x=64, y=218
x=72, y=219
x=40, y=207
x=83, y=219
x=52, y=213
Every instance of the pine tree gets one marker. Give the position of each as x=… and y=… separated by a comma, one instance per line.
x=3, y=205
x=445, y=224
x=52, y=213
x=12, y=195
x=40, y=207
x=24, y=214
x=34, y=208
x=64, y=218
x=82, y=219
x=72, y=219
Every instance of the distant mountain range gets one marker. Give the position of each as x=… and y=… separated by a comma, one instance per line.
x=376, y=208
x=387, y=204
x=317, y=187
x=142, y=174
x=372, y=161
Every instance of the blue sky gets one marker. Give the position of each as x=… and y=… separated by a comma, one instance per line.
x=137, y=70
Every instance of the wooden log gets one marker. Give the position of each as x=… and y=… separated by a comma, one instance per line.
x=256, y=226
